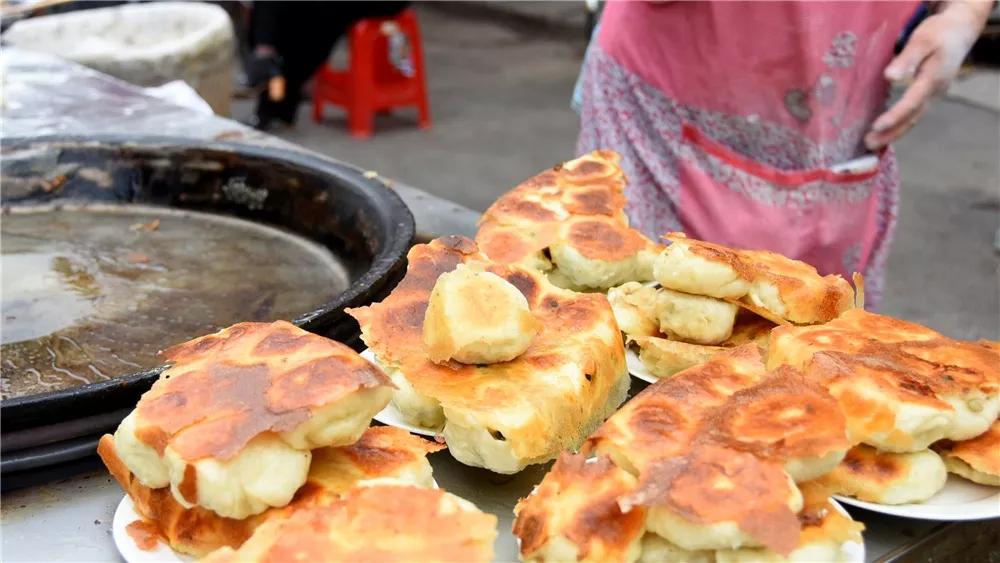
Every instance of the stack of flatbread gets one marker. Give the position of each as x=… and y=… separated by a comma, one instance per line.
x=511, y=369
x=569, y=222
x=713, y=464
x=711, y=298
x=918, y=404
x=260, y=424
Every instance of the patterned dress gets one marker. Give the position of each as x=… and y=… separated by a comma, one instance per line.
x=729, y=117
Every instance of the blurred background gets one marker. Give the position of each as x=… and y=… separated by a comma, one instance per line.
x=499, y=77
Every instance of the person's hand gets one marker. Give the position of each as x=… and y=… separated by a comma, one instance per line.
x=929, y=62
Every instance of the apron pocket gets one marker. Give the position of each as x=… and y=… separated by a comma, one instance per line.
x=821, y=217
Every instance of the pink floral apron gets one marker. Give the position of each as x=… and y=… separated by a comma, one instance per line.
x=729, y=116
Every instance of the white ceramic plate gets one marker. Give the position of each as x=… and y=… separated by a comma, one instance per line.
x=637, y=368
x=853, y=551
x=125, y=514
x=391, y=416
x=960, y=499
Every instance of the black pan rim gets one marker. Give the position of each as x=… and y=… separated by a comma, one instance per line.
x=389, y=256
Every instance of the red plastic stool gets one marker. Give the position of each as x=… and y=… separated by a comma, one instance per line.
x=371, y=83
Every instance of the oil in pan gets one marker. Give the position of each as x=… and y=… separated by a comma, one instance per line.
x=93, y=292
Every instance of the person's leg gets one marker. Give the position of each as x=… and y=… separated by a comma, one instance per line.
x=266, y=21
x=303, y=34
x=302, y=58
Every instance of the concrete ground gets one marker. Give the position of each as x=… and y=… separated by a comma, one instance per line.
x=500, y=94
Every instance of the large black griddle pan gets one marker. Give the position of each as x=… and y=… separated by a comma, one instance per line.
x=363, y=222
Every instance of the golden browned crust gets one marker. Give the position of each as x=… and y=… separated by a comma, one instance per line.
x=808, y=296
x=866, y=464
x=785, y=416
x=224, y=389
x=604, y=239
x=578, y=500
x=580, y=203
x=713, y=484
x=665, y=418
x=578, y=333
x=857, y=331
x=380, y=523
x=381, y=452
x=981, y=453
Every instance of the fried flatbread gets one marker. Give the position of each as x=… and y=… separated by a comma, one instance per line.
x=230, y=424
x=902, y=386
x=887, y=478
x=718, y=447
x=383, y=522
x=977, y=459
x=573, y=515
x=508, y=415
x=664, y=357
x=715, y=453
x=788, y=289
x=786, y=418
x=570, y=222
x=668, y=336
x=714, y=497
x=664, y=420
x=382, y=452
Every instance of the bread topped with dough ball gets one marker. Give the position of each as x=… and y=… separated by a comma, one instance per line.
x=477, y=317
x=777, y=286
x=569, y=222
x=229, y=426
x=568, y=376
x=382, y=453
